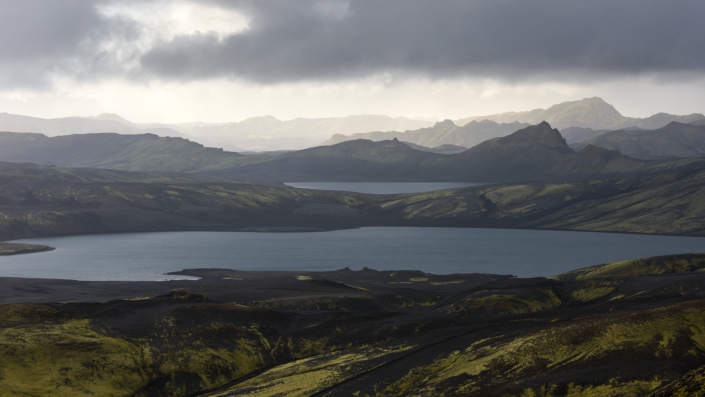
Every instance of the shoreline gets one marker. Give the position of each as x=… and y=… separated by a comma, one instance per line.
x=8, y=248
x=307, y=229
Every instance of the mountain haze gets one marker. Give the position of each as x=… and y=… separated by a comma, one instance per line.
x=531, y=154
x=264, y=133
x=74, y=125
x=676, y=140
x=592, y=113
x=579, y=134
x=442, y=133
x=267, y=133
x=106, y=122
x=442, y=149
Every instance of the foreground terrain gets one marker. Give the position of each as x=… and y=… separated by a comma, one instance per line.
x=620, y=329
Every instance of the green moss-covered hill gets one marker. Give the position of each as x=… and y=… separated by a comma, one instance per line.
x=140, y=152
x=666, y=198
x=16, y=248
x=622, y=329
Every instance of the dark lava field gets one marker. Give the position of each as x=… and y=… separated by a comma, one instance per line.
x=618, y=329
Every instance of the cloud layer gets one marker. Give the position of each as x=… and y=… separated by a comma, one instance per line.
x=309, y=40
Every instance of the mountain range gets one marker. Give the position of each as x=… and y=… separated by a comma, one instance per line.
x=102, y=123
x=581, y=119
x=592, y=113
x=675, y=140
x=533, y=153
x=530, y=154
x=577, y=120
x=264, y=133
x=442, y=133
x=267, y=133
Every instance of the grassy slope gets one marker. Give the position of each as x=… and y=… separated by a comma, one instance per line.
x=39, y=200
x=145, y=152
x=610, y=334
x=663, y=200
x=15, y=248
x=691, y=384
x=354, y=160
x=42, y=201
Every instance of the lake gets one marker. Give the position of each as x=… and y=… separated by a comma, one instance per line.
x=381, y=187
x=525, y=253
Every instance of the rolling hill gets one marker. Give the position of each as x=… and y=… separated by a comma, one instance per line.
x=144, y=152
x=663, y=198
x=675, y=140
x=348, y=161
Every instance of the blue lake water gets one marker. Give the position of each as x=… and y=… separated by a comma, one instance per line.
x=525, y=253
x=381, y=187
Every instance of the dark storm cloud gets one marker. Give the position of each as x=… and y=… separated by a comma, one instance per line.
x=295, y=40
x=40, y=39
x=300, y=40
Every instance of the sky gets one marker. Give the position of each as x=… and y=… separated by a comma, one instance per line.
x=177, y=61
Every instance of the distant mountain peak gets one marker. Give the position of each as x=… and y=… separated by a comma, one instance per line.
x=111, y=117
x=261, y=119
x=445, y=124
x=539, y=135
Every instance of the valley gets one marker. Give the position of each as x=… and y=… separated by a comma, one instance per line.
x=626, y=328
x=307, y=332
x=348, y=198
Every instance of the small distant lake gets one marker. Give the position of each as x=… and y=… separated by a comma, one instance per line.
x=381, y=187
x=524, y=253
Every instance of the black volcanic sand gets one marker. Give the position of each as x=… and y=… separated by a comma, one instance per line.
x=242, y=286
x=619, y=329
